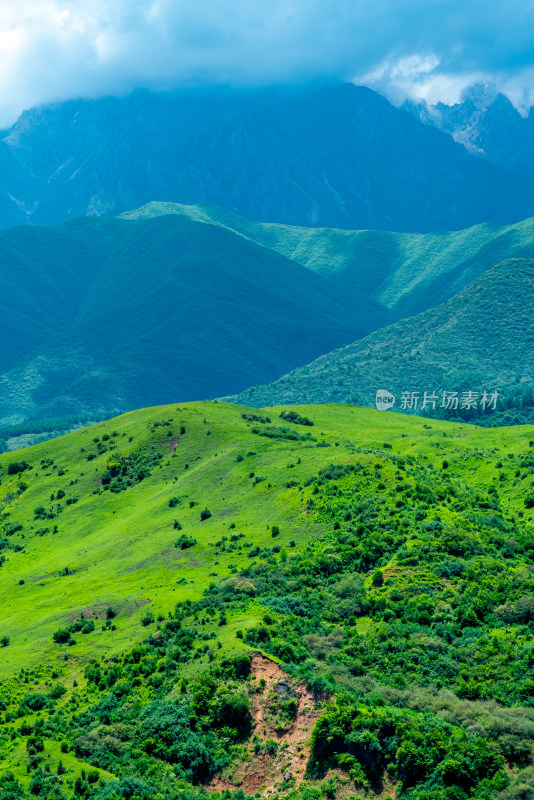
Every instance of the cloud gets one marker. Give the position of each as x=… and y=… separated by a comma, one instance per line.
x=52, y=50
x=420, y=77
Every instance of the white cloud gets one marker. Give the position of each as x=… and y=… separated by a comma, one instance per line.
x=52, y=50
x=420, y=77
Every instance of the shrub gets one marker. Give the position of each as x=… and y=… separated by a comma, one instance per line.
x=35, y=701
x=17, y=466
x=88, y=626
x=62, y=636
x=271, y=747
x=378, y=578
x=167, y=729
x=233, y=711
x=184, y=542
x=206, y=514
x=256, y=418
x=258, y=635
x=296, y=419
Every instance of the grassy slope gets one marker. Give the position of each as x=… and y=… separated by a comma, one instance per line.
x=480, y=339
x=109, y=314
x=246, y=301
x=403, y=271
x=120, y=546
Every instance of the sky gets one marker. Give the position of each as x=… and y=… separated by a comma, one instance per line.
x=429, y=49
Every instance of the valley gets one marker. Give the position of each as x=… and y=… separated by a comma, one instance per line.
x=232, y=304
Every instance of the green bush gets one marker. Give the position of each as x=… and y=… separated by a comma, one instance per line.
x=184, y=542
x=62, y=636
x=15, y=467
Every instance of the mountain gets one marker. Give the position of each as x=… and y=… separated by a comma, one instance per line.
x=206, y=599
x=339, y=156
x=406, y=273
x=482, y=339
x=106, y=314
x=487, y=124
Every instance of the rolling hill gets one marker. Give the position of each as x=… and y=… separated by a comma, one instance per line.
x=100, y=315
x=338, y=156
x=481, y=339
x=406, y=273
x=204, y=598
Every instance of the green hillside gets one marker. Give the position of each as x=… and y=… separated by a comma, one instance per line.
x=103, y=315
x=107, y=314
x=320, y=601
x=480, y=340
x=405, y=272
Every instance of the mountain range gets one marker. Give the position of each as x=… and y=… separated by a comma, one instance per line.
x=405, y=273
x=236, y=598
x=100, y=315
x=337, y=156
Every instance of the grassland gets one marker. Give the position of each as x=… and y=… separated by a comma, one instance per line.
x=383, y=560
x=120, y=546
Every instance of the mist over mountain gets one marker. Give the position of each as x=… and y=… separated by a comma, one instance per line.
x=339, y=156
x=488, y=125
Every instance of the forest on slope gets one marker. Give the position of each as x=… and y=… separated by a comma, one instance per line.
x=481, y=340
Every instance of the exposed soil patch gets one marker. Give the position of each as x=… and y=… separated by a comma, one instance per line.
x=58, y=574
x=284, y=713
x=172, y=444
